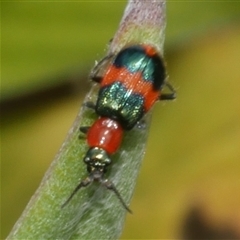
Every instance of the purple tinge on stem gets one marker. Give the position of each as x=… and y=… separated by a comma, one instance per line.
x=143, y=22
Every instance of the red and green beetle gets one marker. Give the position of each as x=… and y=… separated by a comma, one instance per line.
x=130, y=86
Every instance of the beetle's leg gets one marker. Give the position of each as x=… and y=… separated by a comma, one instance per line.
x=168, y=96
x=90, y=105
x=84, y=129
x=97, y=72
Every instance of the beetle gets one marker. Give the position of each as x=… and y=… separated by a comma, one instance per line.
x=129, y=87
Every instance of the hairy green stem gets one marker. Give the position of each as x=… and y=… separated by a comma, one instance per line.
x=94, y=212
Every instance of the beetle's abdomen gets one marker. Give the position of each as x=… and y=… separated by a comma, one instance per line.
x=131, y=85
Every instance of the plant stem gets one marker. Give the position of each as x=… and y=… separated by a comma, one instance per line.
x=94, y=212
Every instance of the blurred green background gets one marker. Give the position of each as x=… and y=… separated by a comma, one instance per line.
x=192, y=166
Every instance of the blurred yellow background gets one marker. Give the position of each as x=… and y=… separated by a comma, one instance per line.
x=192, y=163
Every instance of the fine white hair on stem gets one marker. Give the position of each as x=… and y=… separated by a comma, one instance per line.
x=94, y=213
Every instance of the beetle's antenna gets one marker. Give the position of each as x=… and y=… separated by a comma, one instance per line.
x=109, y=185
x=83, y=183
